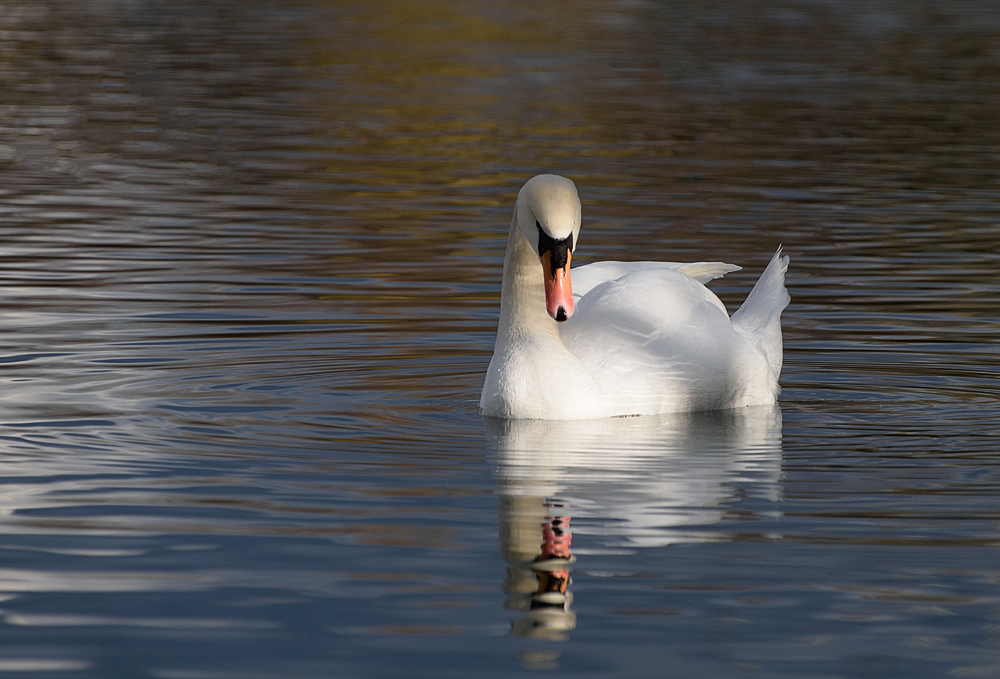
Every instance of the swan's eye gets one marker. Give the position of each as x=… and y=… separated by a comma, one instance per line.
x=544, y=240
x=559, y=248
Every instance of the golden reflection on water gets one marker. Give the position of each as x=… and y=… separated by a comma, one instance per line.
x=251, y=260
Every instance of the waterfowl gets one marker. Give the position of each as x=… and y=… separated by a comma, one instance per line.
x=621, y=338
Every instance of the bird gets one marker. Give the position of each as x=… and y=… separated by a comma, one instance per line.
x=617, y=339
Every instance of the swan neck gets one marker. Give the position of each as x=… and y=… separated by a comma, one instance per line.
x=522, y=296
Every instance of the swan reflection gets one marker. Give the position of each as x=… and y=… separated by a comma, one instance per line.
x=624, y=483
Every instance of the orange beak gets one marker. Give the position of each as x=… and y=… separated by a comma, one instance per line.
x=558, y=288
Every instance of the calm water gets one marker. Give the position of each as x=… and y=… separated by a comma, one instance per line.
x=250, y=260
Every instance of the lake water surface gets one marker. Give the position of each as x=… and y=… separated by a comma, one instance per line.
x=250, y=259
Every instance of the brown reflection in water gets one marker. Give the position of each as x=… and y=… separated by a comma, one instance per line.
x=168, y=156
x=406, y=129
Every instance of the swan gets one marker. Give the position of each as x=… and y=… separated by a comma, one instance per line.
x=621, y=338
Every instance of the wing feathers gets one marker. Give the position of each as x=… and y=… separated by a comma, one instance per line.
x=586, y=278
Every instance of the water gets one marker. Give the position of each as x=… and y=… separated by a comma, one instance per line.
x=250, y=265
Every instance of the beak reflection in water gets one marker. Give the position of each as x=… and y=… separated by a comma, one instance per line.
x=660, y=480
x=541, y=586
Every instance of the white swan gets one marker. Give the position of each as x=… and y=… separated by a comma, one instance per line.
x=633, y=338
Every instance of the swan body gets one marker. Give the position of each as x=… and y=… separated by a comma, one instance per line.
x=621, y=338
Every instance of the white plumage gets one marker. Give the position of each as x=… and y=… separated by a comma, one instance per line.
x=641, y=337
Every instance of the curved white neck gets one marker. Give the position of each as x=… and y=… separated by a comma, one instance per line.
x=522, y=296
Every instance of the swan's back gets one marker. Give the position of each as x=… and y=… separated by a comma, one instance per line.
x=586, y=278
x=657, y=340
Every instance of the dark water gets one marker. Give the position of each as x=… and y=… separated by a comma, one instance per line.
x=250, y=259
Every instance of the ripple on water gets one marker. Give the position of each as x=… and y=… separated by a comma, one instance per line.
x=250, y=280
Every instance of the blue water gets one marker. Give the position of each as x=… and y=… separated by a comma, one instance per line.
x=250, y=257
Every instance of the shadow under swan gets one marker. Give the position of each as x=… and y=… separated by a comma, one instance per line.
x=629, y=483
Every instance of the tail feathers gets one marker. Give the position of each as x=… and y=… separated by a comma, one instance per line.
x=760, y=316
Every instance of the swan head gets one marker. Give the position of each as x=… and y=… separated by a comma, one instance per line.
x=548, y=214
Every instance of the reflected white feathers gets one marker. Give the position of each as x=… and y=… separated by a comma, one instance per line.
x=641, y=338
x=651, y=477
x=568, y=490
